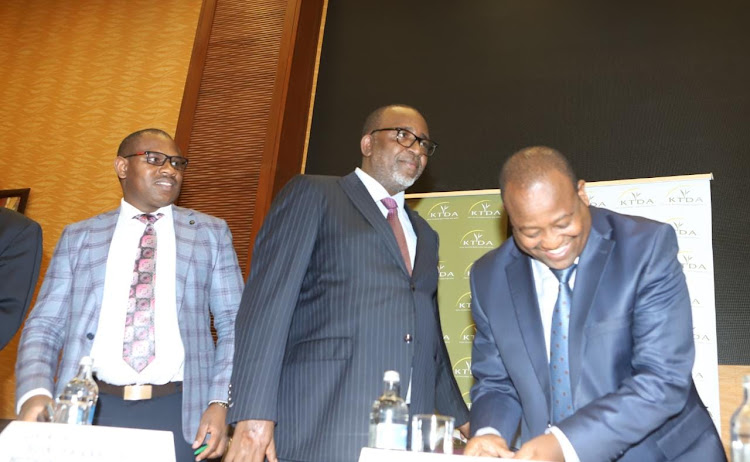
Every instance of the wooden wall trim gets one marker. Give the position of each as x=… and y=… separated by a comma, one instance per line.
x=195, y=74
x=286, y=137
x=246, y=108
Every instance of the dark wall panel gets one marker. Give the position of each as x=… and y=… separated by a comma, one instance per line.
x=626, y=90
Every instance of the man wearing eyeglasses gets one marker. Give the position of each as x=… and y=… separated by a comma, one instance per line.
x=333, y=301
x=146, y=321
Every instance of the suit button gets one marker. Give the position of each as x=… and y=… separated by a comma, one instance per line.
x=412, y=287
x=407, y=338
x=90, y=336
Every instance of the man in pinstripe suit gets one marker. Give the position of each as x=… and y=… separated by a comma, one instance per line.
x=332, y=302
x=83, y=305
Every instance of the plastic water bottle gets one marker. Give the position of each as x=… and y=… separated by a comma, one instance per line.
x=389, y=417
x=77, y=402
x=739, y=427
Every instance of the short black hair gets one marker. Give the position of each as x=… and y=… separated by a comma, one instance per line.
x=532, y=163
x=127, y=143
x=372, y=121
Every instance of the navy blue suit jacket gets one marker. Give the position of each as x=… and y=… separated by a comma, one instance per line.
x=20, y=258
x=327, y=309
x=631, y=348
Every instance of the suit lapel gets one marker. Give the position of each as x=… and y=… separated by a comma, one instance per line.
x=184, y=234
x=100, y=253
x=363, y=201
x=523, y=294
x=588, y=277
x=422, y=241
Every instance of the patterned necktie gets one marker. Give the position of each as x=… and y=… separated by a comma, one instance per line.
x=559, y=371
x=398, y=231
x=138, y=346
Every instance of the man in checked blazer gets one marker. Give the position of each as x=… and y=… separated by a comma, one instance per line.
x=331, y=304
x=82, y=306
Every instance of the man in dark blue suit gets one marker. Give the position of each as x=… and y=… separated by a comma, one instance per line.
x=20, y=257
x=333, y=301
x=625, y=392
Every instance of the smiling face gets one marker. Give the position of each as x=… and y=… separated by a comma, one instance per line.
x=392, y=165
x=149, y=187
x=550, y=217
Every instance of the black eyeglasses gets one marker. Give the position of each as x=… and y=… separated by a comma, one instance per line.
x=406, y=139
x=158, y=158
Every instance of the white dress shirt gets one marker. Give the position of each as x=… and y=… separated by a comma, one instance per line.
x=167, y=365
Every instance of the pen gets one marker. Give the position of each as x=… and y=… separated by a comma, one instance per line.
x=200, y=449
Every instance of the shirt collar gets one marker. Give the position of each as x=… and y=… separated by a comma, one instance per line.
x=376, y=190
x=542, y=271
x=129, y=211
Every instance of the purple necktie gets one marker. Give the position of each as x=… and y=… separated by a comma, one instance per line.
x=138, y=346
x=398, y=231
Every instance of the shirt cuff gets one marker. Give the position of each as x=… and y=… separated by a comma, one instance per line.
x=487, y=431
x=568, y=452
x=30, y=394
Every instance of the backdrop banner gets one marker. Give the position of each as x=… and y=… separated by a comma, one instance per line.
x=470, y=223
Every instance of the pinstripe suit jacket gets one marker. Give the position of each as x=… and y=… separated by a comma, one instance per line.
x=66, y=314
x=325, y=312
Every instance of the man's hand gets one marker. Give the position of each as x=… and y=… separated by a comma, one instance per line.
x=488, y=446
x=213, y=424
x=543, y=447
x=33, y=407
x=252, y=441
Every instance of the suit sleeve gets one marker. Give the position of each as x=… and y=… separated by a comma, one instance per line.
x=282, y=253
x=44, y=332
x=19, y=271
x=225, y=293
x=662, y=360
x=494, y=399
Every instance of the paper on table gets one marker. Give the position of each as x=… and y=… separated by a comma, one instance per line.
x=44, y=442
x=379, y=455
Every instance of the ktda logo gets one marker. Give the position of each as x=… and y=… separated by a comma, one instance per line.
x=700, y=337
x=484, y=209
x=634, y=198
x=593, y=200
x=467, y=271
x=683, y=195
x=690, y=263
x=442, y=211
x=464, y=302
x=443, y=272
x=446, y=339
x=682, y=229
x=476, y=239
x=462, y=367
x=467, y=335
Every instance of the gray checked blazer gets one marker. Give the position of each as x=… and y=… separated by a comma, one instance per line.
x=66, y=313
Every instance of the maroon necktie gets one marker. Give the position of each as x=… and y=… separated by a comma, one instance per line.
x=138, y=346
x=398, y=231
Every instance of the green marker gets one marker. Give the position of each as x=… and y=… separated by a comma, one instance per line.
x=200, y=449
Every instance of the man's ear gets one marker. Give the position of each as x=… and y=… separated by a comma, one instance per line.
x=121, y=167
x=365, y=145
x=582, y=192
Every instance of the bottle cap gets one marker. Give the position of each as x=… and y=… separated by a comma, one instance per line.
x=391, y=376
